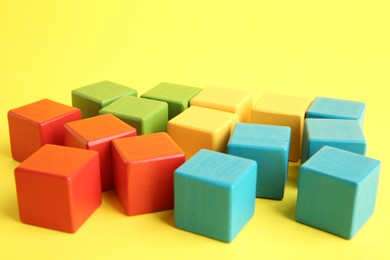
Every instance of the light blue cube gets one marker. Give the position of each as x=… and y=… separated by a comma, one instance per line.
x=323, y=107
x=269, y=146
x=215, y=194
x=337, y=191
x=340, y=133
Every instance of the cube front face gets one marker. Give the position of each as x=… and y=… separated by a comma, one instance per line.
x=215, y=194
x=337, y=191
x=144, y=167
x=58, y=187
x=36, y=124
x=90, y=99
x=338, y=133
x=199, y=127
x=269, y=147
x=273, y=109
x=228, y=100
x=146, y=115
x=177, y=96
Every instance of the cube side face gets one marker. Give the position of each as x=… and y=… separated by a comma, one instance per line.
x=355, y=147
x=89, y=108
x=104, y=149
x=120, y=176
x=157, y=121
x=202, y=208
x=25, y=136
x=221, y=137
x=325, y=202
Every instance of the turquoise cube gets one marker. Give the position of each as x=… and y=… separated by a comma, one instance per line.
x=215, y=194
x=177, y=96
x=92, y=98
x=340, y=133
x=269, y=147
x=332, y=108
x=145, y=115
x=337, y=191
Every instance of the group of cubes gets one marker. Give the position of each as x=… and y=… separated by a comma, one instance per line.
x=206, y=153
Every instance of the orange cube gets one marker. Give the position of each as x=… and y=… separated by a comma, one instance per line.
x=58, y=187
x=143, y=172
x=96, y=133
x=36, y=124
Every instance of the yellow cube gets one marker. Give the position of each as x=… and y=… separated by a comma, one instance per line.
x=274, y=109
x=229, y=100
x=199, y=127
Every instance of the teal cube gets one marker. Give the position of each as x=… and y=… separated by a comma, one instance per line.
x=145, y=115
x=333, y=108
x=215, y=194
x=340, y=133
x=337, y=191
x=92, y=98
x=269, y=146
x=177, y=96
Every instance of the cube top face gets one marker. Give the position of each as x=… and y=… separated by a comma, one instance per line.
x=148, y=147
x=57, y=160
x=323, y=107
x=172, y=93
x=344, y=165
x=134, y=108
x=281, y=104
x=99, y=127
x=43, y=111
x=216, y=98
x=204, y=119
x=104, y=92
x=220, y=169
x=334, y=129
x=258, y=135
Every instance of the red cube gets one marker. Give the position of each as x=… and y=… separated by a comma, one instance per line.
x=36, y=124
x=143, y=172
x=58, y=187
x=96, y=133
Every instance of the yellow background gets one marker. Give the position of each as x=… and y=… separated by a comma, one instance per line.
x=302, y=48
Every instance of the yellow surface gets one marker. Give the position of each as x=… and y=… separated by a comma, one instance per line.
x=201, y=127
x=335, y=48
x=277, y=109
x=224, y=99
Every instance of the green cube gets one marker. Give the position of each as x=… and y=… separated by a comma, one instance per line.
x=177, y=96
x=145, y=115
x=90, y=99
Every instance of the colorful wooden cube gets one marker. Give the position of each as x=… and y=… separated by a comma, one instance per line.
x=337, y=191
x=36, y=124
x=274, y=109
x=96, y=133
x=143, y=172
x=177, y=96
x=269, y=147
x=146, y=115
x=229, y=100
x=90, y=99
x=340, y=133
x=199, y=127
x=215, y=194
x=332, y=108
x=58, y=187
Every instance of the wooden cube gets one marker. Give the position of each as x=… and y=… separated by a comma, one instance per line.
x=274, y=109
x=92, y=98
x=229, y=100
x=146, y=115
x=177, y=96
x=269, y=147
x=96, y=133
x=34, y=125
x=199, y=127
x=143, y=172
x=337, y=191
x=58, y=187
x=215, y=194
